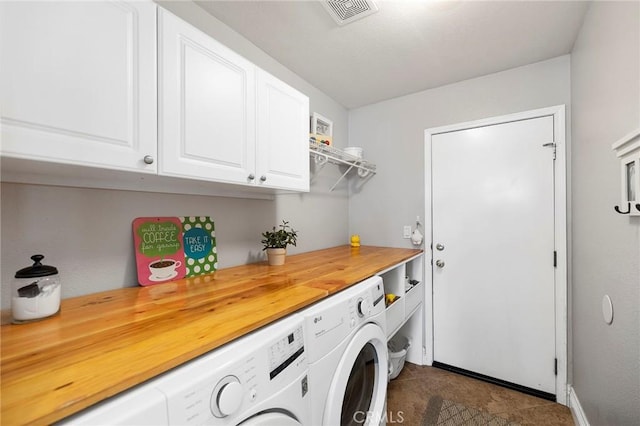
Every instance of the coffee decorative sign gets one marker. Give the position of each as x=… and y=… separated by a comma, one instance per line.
x=170, y=248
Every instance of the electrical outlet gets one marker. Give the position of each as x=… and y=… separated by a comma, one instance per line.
x=406, y=231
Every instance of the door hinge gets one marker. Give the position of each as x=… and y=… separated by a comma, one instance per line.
x=555, y=366
x=555, y=259
x=552, y=145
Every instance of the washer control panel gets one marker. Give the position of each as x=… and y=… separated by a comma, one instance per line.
x=366, y=304
x=329, y=322
x=285, y=351
x=377, y=296
x=238, y=380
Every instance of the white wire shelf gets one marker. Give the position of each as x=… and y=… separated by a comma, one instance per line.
x=323, y=154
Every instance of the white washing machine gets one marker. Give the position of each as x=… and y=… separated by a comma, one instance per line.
x=258, y=379
x=347, y=351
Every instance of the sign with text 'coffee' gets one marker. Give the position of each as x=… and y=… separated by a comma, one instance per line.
x=170, y=248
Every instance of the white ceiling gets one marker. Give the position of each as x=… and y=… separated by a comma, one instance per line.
x=408, y=45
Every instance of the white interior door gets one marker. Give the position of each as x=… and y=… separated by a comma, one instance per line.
x=493, y=251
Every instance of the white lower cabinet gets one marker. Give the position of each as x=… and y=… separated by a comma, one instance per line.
x=78, y=83
x=79, y=88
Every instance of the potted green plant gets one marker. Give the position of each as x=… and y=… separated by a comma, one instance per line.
x=276, y=241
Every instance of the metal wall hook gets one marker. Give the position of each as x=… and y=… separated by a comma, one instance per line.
x=617, y=208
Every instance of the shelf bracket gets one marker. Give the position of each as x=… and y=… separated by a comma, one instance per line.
x=341, y=177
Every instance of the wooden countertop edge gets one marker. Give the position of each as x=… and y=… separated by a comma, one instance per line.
x=304, y=280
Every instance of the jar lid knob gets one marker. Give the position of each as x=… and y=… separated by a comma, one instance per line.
x=37, y=269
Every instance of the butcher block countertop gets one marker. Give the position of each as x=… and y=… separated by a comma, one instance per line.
x=103, y=343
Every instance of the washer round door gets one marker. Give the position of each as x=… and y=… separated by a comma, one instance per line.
x=359, y=387
x=270, y=419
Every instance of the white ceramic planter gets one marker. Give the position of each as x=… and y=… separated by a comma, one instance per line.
x=276, y=256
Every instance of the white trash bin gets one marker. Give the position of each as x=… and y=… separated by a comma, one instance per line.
x=397, y=347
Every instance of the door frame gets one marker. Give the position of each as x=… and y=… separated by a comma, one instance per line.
x=560, y=237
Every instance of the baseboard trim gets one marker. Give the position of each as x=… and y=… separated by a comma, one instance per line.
x=576, y=409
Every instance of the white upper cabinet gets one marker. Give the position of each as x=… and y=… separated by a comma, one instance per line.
x=207, y=106
x=222, y=118
x=282, y=136
x=101, y=85
x=78, y=83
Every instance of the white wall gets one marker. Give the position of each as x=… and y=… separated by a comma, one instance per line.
x=87, y=234
x=392, y=135
x=605, y=85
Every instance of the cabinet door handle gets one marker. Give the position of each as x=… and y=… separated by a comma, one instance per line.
x=251, y=177
x=148, y=159
x=263, y=178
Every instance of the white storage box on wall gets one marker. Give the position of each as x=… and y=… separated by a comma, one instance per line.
x=627, y=150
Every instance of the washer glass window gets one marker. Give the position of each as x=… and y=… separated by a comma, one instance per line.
x=361, y=386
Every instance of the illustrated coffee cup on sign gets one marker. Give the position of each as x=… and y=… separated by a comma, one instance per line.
x=164, y=268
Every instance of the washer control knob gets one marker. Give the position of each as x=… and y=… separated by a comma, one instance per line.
x=364, y=307
x=226, y=397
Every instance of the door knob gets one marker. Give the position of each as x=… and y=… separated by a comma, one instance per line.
x=148, y=159
x=251, y=177
x=439, y=247
x=263, y=178
x=440, y=263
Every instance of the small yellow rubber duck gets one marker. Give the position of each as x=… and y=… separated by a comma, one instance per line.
x=390, y=298
x=355, y=240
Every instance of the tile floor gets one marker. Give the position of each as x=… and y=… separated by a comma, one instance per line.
x=408, y=396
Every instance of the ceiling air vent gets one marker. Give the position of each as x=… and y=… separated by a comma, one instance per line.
x=347, y=11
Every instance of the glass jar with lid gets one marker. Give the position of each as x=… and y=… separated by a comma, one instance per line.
x=35, y=292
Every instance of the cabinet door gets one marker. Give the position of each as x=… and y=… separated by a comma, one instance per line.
x=283, y=135
x=78, y=82
x=207, y=106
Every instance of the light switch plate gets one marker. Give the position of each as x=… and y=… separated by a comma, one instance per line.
x=406, y=231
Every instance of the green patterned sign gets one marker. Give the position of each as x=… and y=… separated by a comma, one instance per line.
x=200, y=251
